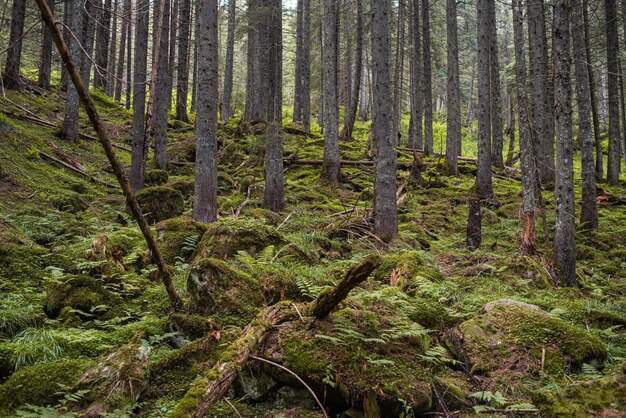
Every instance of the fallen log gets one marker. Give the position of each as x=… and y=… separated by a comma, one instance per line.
x=216, y=382
x=293, y=130
x=74, y=169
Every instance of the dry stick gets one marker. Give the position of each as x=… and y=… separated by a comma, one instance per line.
x=297, y=377
x=74, y=169
x=90, y=108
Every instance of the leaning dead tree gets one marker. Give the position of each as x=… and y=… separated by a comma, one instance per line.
x=91, y=111
x=217, y=380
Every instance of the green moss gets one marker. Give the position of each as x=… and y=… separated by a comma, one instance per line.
x=156, y=177
x=39, y=384
x=191, y=326
x=78, y=292
x=188, y=405
x=20, y=267
x=159, y=202
x=177, y=237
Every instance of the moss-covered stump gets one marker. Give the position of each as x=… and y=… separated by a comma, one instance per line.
x=216, y=288
x=159, y=203
x=604, y=397
x=225, y=238
x=505, y=344
x=39, y=384
x=178, y=237
x=77, y=292
x=156, y=177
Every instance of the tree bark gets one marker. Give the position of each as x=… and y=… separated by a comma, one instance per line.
x=11, y=77
x=305, y=101
x=103, y=35
x=355, y=91
x=497, y=142
x=428, y=83
x=172, y=54
x=385, y=207
x=330, y=170
x=139, y=153
x=70, y=122
x=120, y=61
x=161, y=91
x=129, y=42
x=612, y=45
x=398, y=74
x=453, y=125
x=45, y=61
x=415, y=139
x=182, y=84
x=564, y=237
x=205, y=193
x=483, y=180
x=228, y=71
x=91, y=14
x=254, y=105
x=112, y=82
x=297, y=90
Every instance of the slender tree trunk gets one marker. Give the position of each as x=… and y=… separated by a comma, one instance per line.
x=103, y=36
x=347, y=66
x=415, y=139
x=564, y=237
x=398, y=75
x=182, y=84
x=330, y=169
x=161, y=92
x=428, y=83
x=66, y=35
x=112, y=82
x=194, y=71
x=90, y=18
x=363, y=96
x=70, y=122
x=385, y=206
x=530, y=181
x=612, y=45
x=497, y=143
x=45, y=60
x=594, y=98
x=120, y=61
x=172, y=53
x=623, y=107
x=253, y=92
x=355, y=91
x=622, y=82
x=228, y=71
x=139, y=148
x=11, y=77
x=484, y=180
x=129, y=40
x=274, y=182
x=305, y=101
x=205, y=194
x=297, y=90
x=453, y=132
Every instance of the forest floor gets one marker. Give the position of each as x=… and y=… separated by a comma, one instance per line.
x=437, y=330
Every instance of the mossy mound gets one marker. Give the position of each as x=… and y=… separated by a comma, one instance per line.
x=225, y=238
x=70, y=202
x=82, y=293
x=178, y=237
x=506, y=343
x=604, y=397
x=159, y=203
x=191, y=327
x=21, y=267
x=216, y=288
x=39, y=384
x=157, y=177
x=400, y=269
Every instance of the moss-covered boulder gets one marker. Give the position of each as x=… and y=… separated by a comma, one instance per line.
x=39, y=384
x=225, y=238
x=156, y=177
x=505, y=344
x=70, y=202
x=401, y=269
x=178, y=237
x=604, y=397
x=215, y=288
x=159, y=202
x=191, y=327
x=78, y=292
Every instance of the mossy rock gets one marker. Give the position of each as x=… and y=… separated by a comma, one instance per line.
x=225, y=238
x=21, y=267
x=186, y=187
x=70, y=202
x=39, y=384
x=191, y=326
x=78, y=292
x=604, y=397
x=159, y=203
x=400, y=269
x=177, y=237
x=183, y=151
x=514, y=334
x=216, y=288
x=156, y=177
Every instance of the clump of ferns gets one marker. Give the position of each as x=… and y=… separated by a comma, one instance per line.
x=16, y=314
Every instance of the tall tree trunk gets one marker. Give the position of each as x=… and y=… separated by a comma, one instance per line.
x=254, y=106
x=497, y=143
x=103, y=36
x=194, y=71
x=540, y=81
x=594, y=98
x=45, y=59
x=530, y=181
x=398, y=75
x=75, y=20
x=172, y=53
x=139, y=148
x=415, y=139
x=112, y=81
x=11, y=77
x=363, y=96
x=182, y=84
x=161, y=92
x=297, y=88
x=228, y=71
x=483, y=180
x=355, y=91
x=385, y=206
x=129, y=41
x=347, y=66
x=91, y=14
x=428, y=83
x=453, y=131
x=120, y=61
x=205, y=193
x=612, y=45
x=622, y=81
x=330, y=168
x=564, y=229
x=274, y=182
x=305, y=101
